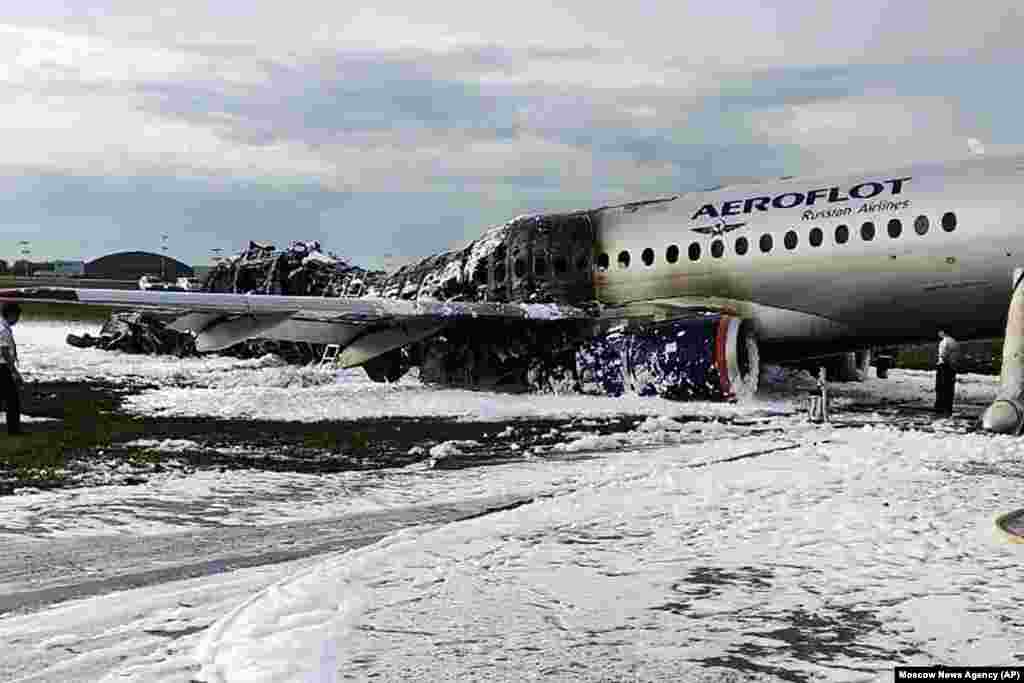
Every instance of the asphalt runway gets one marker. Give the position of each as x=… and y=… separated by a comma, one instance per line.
x=66, y=569
x=372, y=444
x=70, y=569
x=41, y=571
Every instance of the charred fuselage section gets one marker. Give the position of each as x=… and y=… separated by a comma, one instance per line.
x=532, y=259
x=300, y=270
x=540, y=259
x=548, y=259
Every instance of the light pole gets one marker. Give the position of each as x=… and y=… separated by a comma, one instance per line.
x=163, y=256
x=25, y=252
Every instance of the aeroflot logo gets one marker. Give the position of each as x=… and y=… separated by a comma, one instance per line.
x=790, y=200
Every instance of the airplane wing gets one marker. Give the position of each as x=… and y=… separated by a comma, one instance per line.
x=364, y=327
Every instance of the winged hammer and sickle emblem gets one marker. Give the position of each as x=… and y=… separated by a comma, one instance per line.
x=718, y=229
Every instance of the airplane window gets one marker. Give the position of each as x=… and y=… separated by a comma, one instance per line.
x=895, y=228
x=602, y=262
x=540, y=264
x=717, y=248
x=790, y=240
x=742, y=245
x=623, y=259
x=867, y=231
x=949, y=221
x=561, y=265
x=648, y=256
x=816, y=237
x=842, y=234
x=766, y=243
x=921, y=225
x=520, y=267
x=499, y=272
x=694, y=251
x=672, y=254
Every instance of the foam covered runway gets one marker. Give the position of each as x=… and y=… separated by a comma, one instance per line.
x=525, y=538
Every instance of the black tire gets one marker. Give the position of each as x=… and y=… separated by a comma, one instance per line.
x=387, y=367
x=854, y=366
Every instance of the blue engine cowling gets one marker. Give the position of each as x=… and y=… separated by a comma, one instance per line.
x=711, y=357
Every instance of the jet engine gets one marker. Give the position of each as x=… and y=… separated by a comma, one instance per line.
x=711, y=357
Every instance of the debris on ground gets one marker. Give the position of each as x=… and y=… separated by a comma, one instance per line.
x=137, y=332
x=302, y=270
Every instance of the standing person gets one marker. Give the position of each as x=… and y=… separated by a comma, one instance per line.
x=10, y=378
x=945, y=373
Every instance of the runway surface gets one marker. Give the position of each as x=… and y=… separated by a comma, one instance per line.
x=269, y=523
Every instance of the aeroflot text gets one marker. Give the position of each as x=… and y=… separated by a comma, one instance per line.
x=789, y=200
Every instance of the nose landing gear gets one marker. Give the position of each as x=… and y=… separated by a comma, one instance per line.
x=1006, y=414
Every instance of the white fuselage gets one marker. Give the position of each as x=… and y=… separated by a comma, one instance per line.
x=807, y=288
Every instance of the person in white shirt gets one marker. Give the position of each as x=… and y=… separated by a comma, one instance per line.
x=945, y=373
x=10, y=378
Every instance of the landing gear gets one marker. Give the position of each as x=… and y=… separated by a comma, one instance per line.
x=1006, y=414
x=502, y=357
x=387, y=367
x=850, y=367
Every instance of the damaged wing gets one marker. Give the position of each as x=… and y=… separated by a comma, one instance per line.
x=371, y=325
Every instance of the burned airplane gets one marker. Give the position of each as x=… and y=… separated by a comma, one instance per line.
x=642, y=297
x=302, y=269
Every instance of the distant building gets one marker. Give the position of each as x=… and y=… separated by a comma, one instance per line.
x=131, y=265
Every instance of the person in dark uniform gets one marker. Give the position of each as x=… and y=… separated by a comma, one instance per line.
x=945, y=374
x=10, y=378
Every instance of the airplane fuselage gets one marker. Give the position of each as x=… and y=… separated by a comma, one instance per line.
x=827, y=263
x=789, y=270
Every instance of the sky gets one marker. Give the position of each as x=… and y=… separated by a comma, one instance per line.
x=392, y=132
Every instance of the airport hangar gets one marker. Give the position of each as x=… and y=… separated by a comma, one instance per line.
x=131, y=265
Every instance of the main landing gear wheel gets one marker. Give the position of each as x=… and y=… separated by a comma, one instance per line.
x=387, y=367
x=854, y=366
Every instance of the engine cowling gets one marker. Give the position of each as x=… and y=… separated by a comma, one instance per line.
x=711, y=357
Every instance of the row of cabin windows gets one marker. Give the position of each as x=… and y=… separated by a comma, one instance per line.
x=560, y=266
x=816, y=237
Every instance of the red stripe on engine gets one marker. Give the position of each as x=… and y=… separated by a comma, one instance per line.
x=721, y=360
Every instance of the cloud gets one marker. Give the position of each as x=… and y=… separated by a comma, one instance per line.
x=97, y=134
x=742, y=34
x=479, y=112
x=869, y=131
